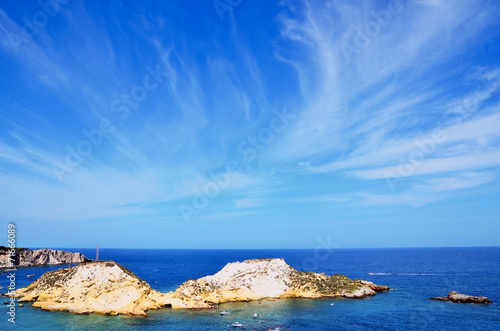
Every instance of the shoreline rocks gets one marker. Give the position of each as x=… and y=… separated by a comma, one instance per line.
x=463, y=298
x=106, y=287
x=376, y=288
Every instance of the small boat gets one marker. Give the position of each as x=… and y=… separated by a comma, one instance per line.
x=224, y=312
x=277, y=329
x=32, y=275
x=237, y=325
x=370, y=273
x=255, y=315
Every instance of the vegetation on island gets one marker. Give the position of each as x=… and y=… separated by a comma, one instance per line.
x=16, y=249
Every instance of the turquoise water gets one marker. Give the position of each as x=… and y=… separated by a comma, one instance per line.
x=416, y=275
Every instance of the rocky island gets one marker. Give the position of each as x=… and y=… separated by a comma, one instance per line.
x=269, y=278
x=107, y=288
x=463, y=298
x=29, y=258
x=92, y=287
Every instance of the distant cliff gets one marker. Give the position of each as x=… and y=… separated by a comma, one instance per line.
x=28, y=258
x=107, y=288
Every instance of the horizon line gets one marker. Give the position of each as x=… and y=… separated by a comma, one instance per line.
x=243, y=249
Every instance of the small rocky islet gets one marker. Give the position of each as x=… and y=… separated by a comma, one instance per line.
x=106, y=287
x=456, y=297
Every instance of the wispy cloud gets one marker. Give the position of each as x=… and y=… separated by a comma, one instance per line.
x=393, y=104
x=461, y=181
x=363, y=115
x=430, y=190
x=320, y=199
x=246, y=203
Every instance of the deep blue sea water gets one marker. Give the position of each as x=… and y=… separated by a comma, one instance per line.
x=416, y=274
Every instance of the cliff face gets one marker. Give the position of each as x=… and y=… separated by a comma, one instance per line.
x=108, y=288
x=40, y=257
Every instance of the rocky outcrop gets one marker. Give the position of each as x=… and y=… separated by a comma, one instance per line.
x=462, y=298
x=108, y=288
x=266, y=278
x=376, y=288
x=93, y=287
x=35, y=257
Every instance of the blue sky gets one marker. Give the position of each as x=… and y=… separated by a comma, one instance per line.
x=250, y=124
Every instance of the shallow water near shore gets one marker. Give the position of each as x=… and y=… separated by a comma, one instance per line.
x=416, y=274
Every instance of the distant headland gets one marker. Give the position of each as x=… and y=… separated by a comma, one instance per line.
x=24, y=257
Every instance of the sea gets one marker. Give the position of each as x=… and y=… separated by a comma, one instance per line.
x=413, y=274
